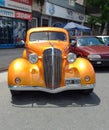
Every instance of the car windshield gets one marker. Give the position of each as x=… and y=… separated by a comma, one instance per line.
x=89, y=41
x=36, y=36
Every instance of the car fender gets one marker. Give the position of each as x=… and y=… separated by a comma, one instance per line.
x=27, y=72
x=24, y=55
x=82, y=68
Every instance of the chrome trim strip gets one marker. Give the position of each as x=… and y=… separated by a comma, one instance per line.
x=57, y=90
x=53, y=67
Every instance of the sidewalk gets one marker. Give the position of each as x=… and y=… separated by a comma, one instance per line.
x=7, y=56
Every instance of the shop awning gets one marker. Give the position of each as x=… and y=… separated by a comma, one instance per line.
x=75, y=26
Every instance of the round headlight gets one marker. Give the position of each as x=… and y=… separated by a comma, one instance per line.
x=33, y=58
x=71, y=57
x=93, y=56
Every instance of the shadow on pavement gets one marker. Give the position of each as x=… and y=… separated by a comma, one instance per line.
x=46, y=100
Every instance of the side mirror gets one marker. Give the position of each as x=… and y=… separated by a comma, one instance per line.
x=73, y=42
x=23, y=43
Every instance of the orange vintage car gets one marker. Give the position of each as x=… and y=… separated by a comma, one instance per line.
x=48, y=65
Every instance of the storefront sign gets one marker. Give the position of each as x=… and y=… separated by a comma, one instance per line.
x=22, y=15
x=23, y=5
x=28, y=2
x=6, y=12
x=70, y=12
x=2, y=2
x=58, y=11
x=52, y=9
x=15, y=14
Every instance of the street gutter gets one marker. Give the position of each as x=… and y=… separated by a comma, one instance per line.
x=3, y=69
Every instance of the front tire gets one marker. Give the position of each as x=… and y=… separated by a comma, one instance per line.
x=15, y=93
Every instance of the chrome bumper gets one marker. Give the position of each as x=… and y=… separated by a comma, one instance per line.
x=57, y=90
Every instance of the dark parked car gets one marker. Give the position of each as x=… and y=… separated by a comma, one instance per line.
x=92, y=48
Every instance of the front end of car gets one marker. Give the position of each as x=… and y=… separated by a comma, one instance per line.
x=49, y=66
x=53, y=73
x=99, y=60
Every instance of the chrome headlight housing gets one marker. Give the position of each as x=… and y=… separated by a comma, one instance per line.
x=71, y=57
x=94, y=56
x=33, y=58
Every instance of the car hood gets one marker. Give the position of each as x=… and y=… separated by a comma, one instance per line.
x=95, y=49
x=39, y=47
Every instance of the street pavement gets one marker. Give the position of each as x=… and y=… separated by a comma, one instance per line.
x=7, y=56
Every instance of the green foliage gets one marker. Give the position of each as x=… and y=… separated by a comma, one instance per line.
x=103, y=18
x=103, y=6
x=93, y=20
x=94, y=2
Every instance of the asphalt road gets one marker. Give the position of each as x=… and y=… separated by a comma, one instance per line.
x=64, y=111
x=8, y=55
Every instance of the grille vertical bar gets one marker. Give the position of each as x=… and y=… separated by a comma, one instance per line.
x=52, y=69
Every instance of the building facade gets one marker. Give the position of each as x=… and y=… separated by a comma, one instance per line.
x=58, y=12
x=14, y=17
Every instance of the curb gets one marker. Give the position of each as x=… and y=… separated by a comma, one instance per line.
x=3, y=69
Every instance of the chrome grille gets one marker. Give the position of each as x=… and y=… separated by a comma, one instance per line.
x=52, y=63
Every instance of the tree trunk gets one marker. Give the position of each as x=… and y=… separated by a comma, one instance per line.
x=108, y=29
x=105, y=29
x=102, y=28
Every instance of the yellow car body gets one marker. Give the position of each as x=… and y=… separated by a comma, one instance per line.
x=48, y=65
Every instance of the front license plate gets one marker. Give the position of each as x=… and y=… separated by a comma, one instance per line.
x=72, y=81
